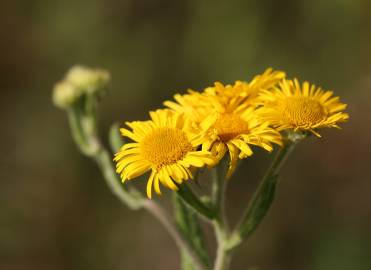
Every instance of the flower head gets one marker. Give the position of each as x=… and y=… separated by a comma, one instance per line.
x=230, y=122
x=193, y=105
x=265, y=81
x=301, y=107
x=78, y=82
x=234, y=126
x=241, y=94
x=166, y=145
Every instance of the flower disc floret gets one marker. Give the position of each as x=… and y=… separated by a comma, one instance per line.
x=227, y=114
x=303, y=111
x=165, y=146
x=229, y=126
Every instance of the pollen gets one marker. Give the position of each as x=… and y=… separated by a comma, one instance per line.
x=229, y=126
x=165, y=146
x=303, y=111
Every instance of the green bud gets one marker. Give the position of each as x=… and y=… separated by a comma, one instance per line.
x=65, y=94
x=87, y=79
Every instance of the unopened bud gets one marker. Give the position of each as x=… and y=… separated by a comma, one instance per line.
x=87, y=79
x=65, y=94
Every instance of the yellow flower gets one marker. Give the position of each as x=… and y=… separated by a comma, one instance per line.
x=166, y=145
x=232, y=125
x=301, y=107
x=197, y=105
x=265, y=81
x=192, y=105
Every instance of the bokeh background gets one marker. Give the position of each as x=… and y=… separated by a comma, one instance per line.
x=56, y=211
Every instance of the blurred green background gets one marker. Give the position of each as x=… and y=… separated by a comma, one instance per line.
x=56, y=211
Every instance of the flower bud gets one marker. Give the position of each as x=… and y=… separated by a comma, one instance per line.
x=65, y=94
x=87, y=79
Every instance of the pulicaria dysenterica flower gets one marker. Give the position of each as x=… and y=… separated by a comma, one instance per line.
x=265, y=81
x=301, y=107
x=231, y=123
x=166, y=145
x=196, y=105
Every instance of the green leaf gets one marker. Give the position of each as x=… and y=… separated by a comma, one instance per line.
x=259, y=205
x=115, y=138
x=194, y=202
x=188, y=224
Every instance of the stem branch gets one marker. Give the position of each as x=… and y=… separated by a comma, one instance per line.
x=83, y=128
x=263, y=197
x=221, y=228
x=166, y=221
x=194, y=202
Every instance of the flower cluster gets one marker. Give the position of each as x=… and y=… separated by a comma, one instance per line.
x=198, y=129
x=79, y=80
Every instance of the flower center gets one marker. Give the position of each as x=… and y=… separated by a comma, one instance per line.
x=165, y=146
x=230, y=126
x=303, y=111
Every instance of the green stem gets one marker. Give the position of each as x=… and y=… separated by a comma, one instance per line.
x=263, y=197
x=223, y=255
x=132, y=199
x=159, y=213
x=221, y=228
x=186, y=263
x=77, y=132
x=186, y=249
x=84, y=132
x=89, y=144
x=218, y=189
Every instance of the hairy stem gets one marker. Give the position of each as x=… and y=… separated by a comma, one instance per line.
x=132, y=199
x=159, y=213
x=83, y=128
x=262, y=198
x=223, y=256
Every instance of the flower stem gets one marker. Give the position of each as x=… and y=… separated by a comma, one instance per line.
x=84, y=132
x=223, y=255
x=221, y=228
x=77, y=131
x=130, y=198
x=262, y=199
x=159, y=213
x=219, y=186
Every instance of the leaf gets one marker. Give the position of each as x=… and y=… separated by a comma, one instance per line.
x=259, y=206
x=188, y=223
x=116, y=141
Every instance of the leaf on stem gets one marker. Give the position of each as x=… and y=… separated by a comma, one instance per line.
x=188, y=223
x=194, y=202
